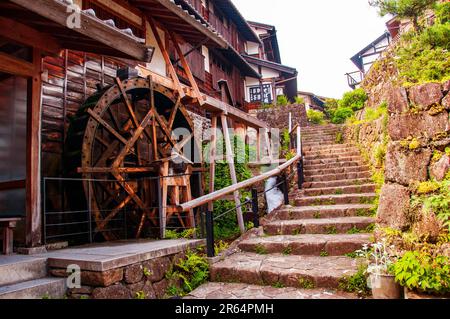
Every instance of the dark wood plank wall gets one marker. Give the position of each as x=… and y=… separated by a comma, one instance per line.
x=72, y=77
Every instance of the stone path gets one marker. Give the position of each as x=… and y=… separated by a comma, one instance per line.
x=302, y=250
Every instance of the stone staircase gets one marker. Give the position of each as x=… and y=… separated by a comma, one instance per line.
x=25, y=277
x=302, y=250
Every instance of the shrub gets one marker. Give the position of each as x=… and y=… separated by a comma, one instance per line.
x=315, y=117
x=374, y=114
x=424, y=272
x=442, y=12
x=192, y=271
x=299, y=100
x=341, y=114
x=282, y=100
x=356, y=283
x=330, y=106
x=354, y=100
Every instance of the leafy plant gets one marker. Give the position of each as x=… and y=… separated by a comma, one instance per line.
x=341, y=114
x=282, y=100
x=356, y=283
x=339, y=138
x=324, y=253
x=379, y=258
x=306, y=283
x=299, y=100
x=278, y=285
x=147, y=272
x=353, y=100
x=140, y=295
x=354, y=230
x=192, y=271
x=260, y=249
x=442, y=12
x=287, y=251
x=424, y=272
x=315, y=117
x=220, y=246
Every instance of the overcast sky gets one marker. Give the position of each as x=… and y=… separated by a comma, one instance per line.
x=318, y=37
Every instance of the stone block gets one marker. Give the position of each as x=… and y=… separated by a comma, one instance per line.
x=160, y=288
x=402, y=126
x=394, y=206
x=440, y=168
x=446, y=102
x=133, y=273
x=404, y=166
x=104, y=279
x=157, y=268
x=397, y=100
x=117, y=291
x=142, y=287
x=425, y=95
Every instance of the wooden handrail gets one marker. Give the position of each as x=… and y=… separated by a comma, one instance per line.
x=236, y=187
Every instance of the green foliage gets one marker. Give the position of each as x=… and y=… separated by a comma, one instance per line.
x=379, y=155
x=192, y=271
x=278, y=285
x=220, y=246
x=331, y=106
x=299, y=100
x=260, y=250
x=306, y=283
x=140, y=295
x=352, y=255
x=341, y=114
x=315, y=117
x=354, y=230
x=410, y=9
x=339, y=138
x=282, y=100
x=425, y=57
x=226, y=227
x=331, y=230
x=354, y=100
x=442, y=12
x=324, y=254
x=186, y=234
x=356, y=283
x=147, y=272
x=424, y=272
x=285, y=140
x=373, y=114
x=287, y=251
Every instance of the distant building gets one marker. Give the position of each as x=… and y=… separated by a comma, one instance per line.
x=312, y=101
x=365, y=58
x=276, y=78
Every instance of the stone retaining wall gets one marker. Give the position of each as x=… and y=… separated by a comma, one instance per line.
x=147, y=279
x=278, y=117
x=418, y=127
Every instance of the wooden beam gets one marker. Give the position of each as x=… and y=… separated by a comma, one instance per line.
x=230, y=160
x=33, y=181
x=165, y=54
x=200, y=201
x=13, y=30
x=122, y=11
x=90, y=27
x=13, y=65
x=187, y=69
x=212, y=159
x=211, y=104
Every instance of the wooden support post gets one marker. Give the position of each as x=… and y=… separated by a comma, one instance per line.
x=258, y=145
x=230, y=159
x=186, y=68
x=212, y=159
x=163, y=205
x=33, y=180
x=172, y=72
x=274, y=93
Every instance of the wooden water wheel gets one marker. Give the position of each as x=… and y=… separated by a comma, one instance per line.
x=121, y=142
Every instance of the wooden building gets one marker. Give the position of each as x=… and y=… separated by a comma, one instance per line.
x=57, y=54
x=276, y=78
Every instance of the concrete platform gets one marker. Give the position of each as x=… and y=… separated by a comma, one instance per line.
x=111, y=255
x=19, y=268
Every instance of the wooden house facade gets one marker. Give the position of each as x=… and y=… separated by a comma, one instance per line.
x=49, y=67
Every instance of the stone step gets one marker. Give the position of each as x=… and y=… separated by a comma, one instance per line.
x=327, y=211
x=19, y=268
x=336, y=170
x=332, y=165
x=281, y=270
x=319, y=138
x=342, y=149
x=361, y=198
x=332, y=155
x=328, y=147
x=338, y=225
x=318, y=143
x=337, y=183
x=54, y=288
x=331, y=160
x=353, y=189
x=335, y=177
x=309, y=244
x=226, y=291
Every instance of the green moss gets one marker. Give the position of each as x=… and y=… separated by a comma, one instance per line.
x=414, y=144
x=306, y=283
x=427, y=187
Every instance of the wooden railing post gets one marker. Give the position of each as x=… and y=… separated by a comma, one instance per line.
x=300, y=175
x=210, y=234
x=285, y=190
x=255, y=207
